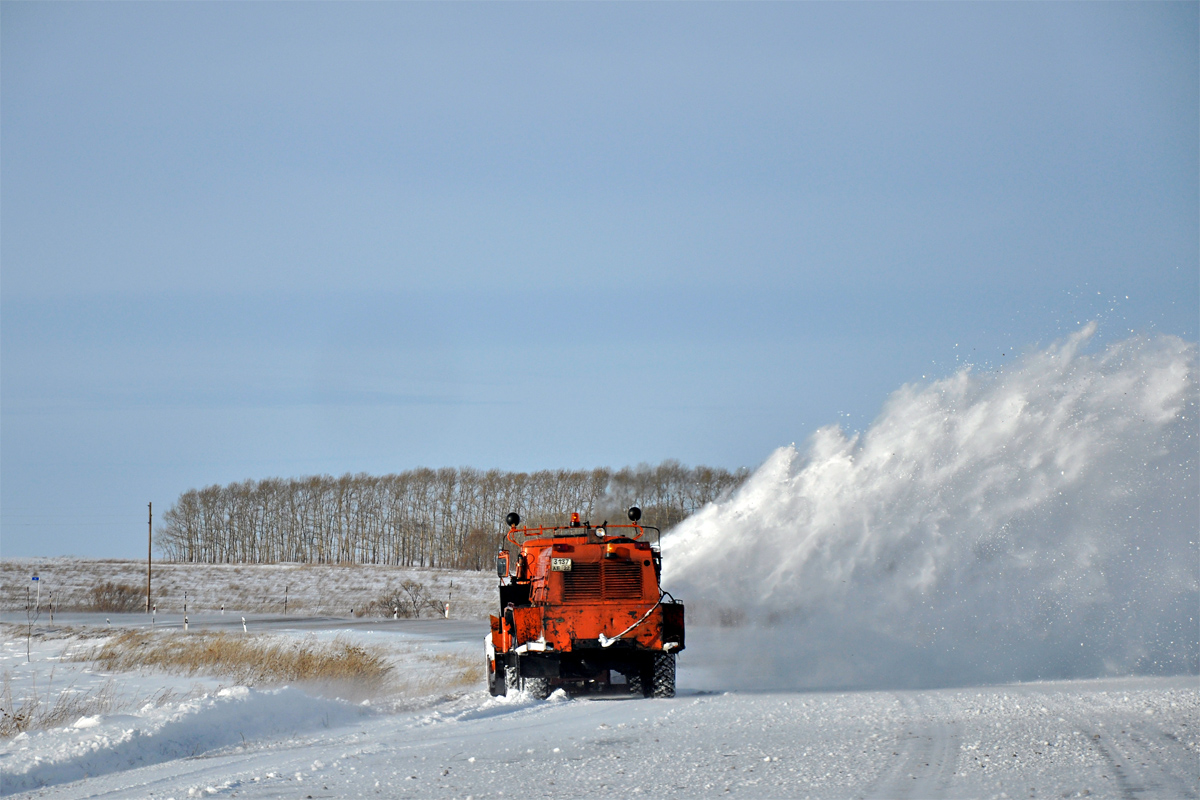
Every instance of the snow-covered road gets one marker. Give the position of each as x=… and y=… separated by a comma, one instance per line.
x=1120, y=738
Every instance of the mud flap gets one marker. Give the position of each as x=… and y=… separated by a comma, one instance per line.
x=539, y=665
x=672, y=626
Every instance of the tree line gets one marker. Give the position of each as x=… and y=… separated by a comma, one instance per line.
x=422, y=517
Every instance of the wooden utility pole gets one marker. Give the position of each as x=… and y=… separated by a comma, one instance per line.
x=149, y=549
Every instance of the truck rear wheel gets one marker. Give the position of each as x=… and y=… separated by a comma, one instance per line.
x=663, y=681
x=636, y=682
x=538, y=687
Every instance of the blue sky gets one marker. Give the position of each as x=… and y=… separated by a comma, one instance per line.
x=252, y=240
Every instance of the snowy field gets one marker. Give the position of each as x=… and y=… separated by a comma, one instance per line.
x=309, y=589
x=174, y=736
x=990, y=593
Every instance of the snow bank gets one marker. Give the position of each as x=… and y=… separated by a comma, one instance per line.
x=99, y=745
x=1036, y=522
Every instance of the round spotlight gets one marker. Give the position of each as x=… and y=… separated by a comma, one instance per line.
x=635, y=513
x=513, y=519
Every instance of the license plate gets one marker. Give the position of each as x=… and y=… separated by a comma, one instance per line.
x=560, y=565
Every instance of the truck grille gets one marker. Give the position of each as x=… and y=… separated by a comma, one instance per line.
x=582, y=582
x=623, y=580
x=618, y=581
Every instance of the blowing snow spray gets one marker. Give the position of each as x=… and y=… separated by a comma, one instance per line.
x=1035, y=522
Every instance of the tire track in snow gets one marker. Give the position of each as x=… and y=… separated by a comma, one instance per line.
x=1139, y=768
x=942, y=749
x=927, y=755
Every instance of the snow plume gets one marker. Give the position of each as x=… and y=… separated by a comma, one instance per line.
x=1032, y=523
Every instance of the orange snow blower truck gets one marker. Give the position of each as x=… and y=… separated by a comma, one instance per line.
x=580, y=607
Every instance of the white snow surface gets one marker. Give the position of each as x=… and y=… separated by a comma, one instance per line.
x=1039, y=521
x=101, y=744
x=1126, y=737
x=150, y=717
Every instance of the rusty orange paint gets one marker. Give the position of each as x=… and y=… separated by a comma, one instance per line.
x=528, y=622
x=607, y=587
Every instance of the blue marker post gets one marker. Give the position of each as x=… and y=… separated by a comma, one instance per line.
x=38, y=602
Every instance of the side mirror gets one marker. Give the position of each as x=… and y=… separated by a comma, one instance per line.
x=502, y=564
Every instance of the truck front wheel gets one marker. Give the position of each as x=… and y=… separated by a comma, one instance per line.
x=663, y=680
x=512, y=678
x=495, y=686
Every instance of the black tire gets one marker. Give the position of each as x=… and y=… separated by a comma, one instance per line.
x=512, y=678
x=495, y=687
x=637, y=681
x=663, y=680
x=537, y=687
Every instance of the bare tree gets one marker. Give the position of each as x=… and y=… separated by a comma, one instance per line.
x=422, y=517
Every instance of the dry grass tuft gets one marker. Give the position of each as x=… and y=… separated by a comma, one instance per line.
x=37, y=710
x=247, y=659
x=401, y=678
x=117, y=597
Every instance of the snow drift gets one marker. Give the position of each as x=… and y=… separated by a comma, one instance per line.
x=1036, y=522
x=103, y=744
